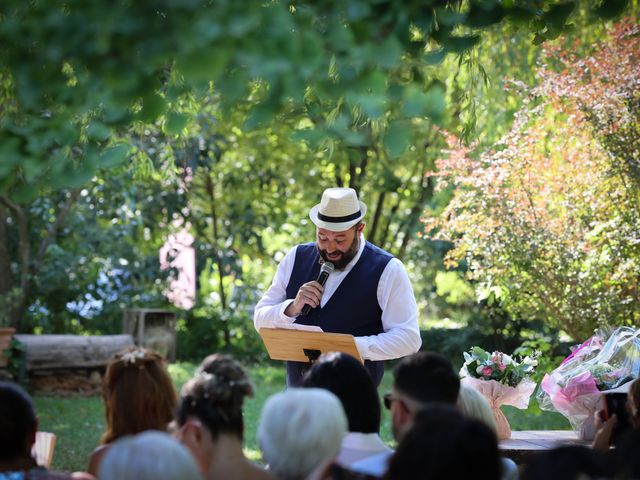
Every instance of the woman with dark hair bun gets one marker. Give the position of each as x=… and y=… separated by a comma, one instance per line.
x=209, y=420
x=138, y=395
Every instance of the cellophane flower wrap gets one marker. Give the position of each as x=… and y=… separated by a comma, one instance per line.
x=501, y=379
x=602, y=363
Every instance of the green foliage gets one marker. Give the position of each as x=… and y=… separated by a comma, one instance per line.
x=16, y=357
x=75, y=74
x=143, y=111
x=547, y=218
x=201, y=332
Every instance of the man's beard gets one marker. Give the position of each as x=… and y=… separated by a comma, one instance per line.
x=346, y=257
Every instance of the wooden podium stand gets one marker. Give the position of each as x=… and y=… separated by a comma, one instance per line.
x=303, y=346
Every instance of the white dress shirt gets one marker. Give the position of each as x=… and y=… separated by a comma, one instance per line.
x=357, y=446
x=401, y=334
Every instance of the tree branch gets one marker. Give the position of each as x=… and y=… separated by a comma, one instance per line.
x=25, y=259
x=376, y=217
x=53, y=231
x=5, y=264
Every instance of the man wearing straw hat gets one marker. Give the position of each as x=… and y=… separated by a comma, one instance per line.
x=368, y=295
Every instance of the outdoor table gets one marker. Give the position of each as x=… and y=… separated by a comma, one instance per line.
x=525, y=444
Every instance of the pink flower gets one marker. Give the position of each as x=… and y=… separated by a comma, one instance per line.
x=502, y=367
x=496, y=358
x=487, y=371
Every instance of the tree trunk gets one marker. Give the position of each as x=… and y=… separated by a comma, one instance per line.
x=5, y=264
x=29, y=266
x=414, y=217
x=71, y=351
x=18, y=305
x=373, y=230
x=216, y=242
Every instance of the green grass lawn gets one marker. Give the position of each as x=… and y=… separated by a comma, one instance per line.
x=79, y=422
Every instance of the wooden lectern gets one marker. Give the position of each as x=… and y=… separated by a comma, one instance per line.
x=303, y=346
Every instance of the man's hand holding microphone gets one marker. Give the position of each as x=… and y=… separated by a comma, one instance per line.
x=310, y=294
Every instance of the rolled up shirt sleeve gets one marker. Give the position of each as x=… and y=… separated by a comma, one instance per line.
x=401, y=334
x=270, y=309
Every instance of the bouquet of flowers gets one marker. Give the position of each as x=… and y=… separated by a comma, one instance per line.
x=603, y=363
x=501, y=379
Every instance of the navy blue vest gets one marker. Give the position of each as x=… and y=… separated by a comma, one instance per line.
x=353, y=308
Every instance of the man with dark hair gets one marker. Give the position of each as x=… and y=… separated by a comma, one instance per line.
x=18, y=427
x=420, y=381
x=368, y=294
x=442, y=443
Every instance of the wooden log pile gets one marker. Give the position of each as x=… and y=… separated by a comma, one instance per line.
x=69, y=364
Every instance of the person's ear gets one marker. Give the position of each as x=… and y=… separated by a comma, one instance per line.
x=190, y=434
x=404, y=412
x=360, y=227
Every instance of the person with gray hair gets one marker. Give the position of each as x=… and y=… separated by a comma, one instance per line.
x=299, y=429
x=472, y=404
x=148, y=456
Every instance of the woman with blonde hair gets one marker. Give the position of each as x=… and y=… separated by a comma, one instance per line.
x=472, y=404
x=138, y=395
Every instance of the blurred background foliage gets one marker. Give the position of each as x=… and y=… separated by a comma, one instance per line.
x=120, y=124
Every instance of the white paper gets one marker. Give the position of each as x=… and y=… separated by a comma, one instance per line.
x=296, y=326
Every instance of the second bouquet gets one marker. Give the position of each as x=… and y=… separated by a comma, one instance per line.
x=501, y=379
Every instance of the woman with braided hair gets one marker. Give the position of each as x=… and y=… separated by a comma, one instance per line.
x=209, y=419
x=138, y=395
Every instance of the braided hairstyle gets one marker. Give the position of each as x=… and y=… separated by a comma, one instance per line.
x=215, y=396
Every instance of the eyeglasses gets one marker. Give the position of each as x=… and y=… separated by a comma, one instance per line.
x=388, y=399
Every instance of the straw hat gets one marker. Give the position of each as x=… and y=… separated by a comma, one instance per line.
x=338, y=210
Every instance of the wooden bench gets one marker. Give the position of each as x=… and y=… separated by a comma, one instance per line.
x=525, y=444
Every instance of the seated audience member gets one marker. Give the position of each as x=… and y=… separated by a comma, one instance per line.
x=209, y=421
x=138, y=395
x=420, y=381
x=148, y=456
x=18, y=427
x=443, y=444
x=348, y=379
x=626, y=458
x=605, y=428
x=472, y=404
x=567, y=463
x=299, y=429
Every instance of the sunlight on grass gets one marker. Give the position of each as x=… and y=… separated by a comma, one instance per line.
x=181, y=372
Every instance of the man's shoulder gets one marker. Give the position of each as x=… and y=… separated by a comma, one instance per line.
x=304, y=250
x=377, y=250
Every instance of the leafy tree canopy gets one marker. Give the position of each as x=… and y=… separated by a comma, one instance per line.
x=74, y=73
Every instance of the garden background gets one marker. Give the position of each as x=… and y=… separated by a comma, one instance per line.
x=495, y=143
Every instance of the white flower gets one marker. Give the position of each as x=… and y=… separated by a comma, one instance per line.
x=132, y=356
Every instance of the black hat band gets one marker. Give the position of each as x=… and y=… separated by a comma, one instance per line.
x=346, y=218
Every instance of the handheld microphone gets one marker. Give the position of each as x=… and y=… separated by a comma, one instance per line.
x=327, y=268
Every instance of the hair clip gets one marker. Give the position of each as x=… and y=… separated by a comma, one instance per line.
x=132, y=356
